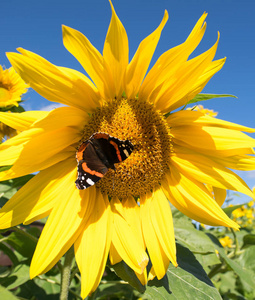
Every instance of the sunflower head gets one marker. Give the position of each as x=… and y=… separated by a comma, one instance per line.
x=146, y=128
x=12, y=87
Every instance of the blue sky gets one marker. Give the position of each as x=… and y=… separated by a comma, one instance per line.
x=36, y=26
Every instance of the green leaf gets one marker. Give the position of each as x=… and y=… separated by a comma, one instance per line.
x=187, y=235
x=197, y=241
x=127, y=274
x=227, y=282
x=228, y=210
x=30, y=290
x=6, y=191
x=18, y=276
x=17, y=109
x=247, y=260
x=22, y=243
x=13, y=108
x=5, y=168
x=205, y=97
x=49, y=284
x=244, y=274
x=20, y=181
x=6, y=295
x=9, y=187
x=9, y=252
x=248, y=240
x=187, y=281
x=114, y=290
x=207, y=260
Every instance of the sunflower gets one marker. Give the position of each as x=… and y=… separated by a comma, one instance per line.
x=11, y=87
x=226, y=241
x=126, y=215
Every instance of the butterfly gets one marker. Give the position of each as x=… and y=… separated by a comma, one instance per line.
x=98, y=154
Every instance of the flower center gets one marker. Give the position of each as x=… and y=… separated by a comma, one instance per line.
x=146, y=128
x=4, y=94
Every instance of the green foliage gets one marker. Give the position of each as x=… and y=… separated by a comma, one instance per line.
x=205, y=97
x=188, y=281
x=9, y=187
x=16, y=109
x=206, y=269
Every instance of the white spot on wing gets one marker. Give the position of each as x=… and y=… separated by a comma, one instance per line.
x=126, y=152
x=90, y=182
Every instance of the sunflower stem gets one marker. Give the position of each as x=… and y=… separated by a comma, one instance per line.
x=236, y=242
x=65, y=274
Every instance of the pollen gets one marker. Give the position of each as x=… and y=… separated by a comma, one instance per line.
x=146, y=128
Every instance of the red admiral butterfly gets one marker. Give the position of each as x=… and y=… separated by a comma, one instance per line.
x=98, y=154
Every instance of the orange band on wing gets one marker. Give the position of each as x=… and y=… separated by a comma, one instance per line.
x=79, y=153
x=91, y=172
x=117, y=150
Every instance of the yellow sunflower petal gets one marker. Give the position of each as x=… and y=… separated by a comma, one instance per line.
x=44, y=146
x=62, y=228
x=238, y=162
x=143, y=278
x=125, y=241
x=131, y=211
x=91, y=60
x=21, y=138
x=152, y=274
x=213, y=68
x=219, y=195
x=36, y=199
x=115, y=51
x=11, y=149
x=114, y=256
x=157, y=255
x=174, y=89
x=161, y=217
x=74, y=75
x=17, y=171
x=140, y=62
x=10, y=155
x=188, y=117
x=193, y=199
x=22, y=121
x=170, y=61
x=213, y=140
x=63, y=117
x=91, y=253
x=206, y=170
x=53, y=83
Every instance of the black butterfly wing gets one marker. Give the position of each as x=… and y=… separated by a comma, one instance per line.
x=122, y=149
x=90, y=167
x=111, y=150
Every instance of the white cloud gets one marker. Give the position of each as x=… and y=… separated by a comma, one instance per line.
x=250, y=174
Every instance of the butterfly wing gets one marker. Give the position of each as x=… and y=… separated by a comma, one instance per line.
x=96, y=155
x=111, y=150
x=90, y=167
